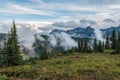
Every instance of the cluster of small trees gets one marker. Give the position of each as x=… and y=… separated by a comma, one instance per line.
x=84, y=47
x=10, y=51
x=113, y=42
x=40, y=49
x=98, y=46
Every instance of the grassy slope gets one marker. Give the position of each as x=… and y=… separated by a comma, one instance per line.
x=73, y=67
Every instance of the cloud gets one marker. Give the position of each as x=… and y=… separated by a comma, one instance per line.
x=4, y=27
x=78, y=5
x=69, y=24
x=12, y=9
x=53, y=10
x=103, y=2
x=63, y=39
x=65, y=13
x=109, y=21
x=26, y=31
x=85, y=22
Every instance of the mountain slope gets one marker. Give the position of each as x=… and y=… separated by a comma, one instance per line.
x=87, y=32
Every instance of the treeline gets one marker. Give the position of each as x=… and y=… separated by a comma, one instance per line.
x=112, y=43
x=85, y=47
x=10, y=54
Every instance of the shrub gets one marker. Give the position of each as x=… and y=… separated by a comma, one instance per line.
x=2, y=77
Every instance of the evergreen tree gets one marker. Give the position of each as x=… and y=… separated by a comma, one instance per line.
x=103, y=47
x=85, y=46
x=107, y=44
x=113, y=39
x=117, y=50
x=13, y=49
x=10, y=53
x=43, y=55
x=100, y=47
x=3, y=55
x=82, y=46
x=79, y=46
x=95, y=46
x=89, y=50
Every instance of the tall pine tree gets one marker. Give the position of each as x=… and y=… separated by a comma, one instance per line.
x=85, y=46
x=107, y=44
x=95, y=46
x=3, y=55
x=100, y=47
x=13, y=48
x=117, y=50
x=113, y=39
x=79, y=46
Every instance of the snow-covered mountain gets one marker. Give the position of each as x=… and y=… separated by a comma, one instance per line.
x=109, y=30
x=82, y=32
x=78, y=32
x=87, y=32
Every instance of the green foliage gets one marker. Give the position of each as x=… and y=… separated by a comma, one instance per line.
x=89, y=50
x=3, y=55
x=10, y=53
x=43, y=55
x=73, y=67
x=13, y=49
x=95, y=46
x=113, y=39
x=2, y=77
x=100, y=47
x=41, y=49
x=107, y=44
x=117, y=49
x=84, y=47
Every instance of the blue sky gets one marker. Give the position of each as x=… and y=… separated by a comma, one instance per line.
x=50, y=10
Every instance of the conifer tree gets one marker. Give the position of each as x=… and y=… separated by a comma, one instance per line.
x=100, y=47
x=103, y=47
x=95, y=45
x=82, y=46
x=113, y=39
x=13, y=49
x=117, y=50
x=10, y=53
x=79, y=46
x=85, y=46
x=43, y=54
x=3, y=55
x=89, y=50
x=107, y=44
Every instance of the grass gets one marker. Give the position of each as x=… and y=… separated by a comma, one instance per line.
x=2, y=77
x=74, y=67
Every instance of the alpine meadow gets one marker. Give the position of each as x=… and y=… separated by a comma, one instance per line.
x=59, y=40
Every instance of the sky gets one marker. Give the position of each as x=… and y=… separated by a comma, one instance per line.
x=43, y=16
x=47, y=15
x=56, y=10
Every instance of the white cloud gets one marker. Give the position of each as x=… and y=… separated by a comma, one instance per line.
x=26, y=30
x=76, y=8
x=20, y=9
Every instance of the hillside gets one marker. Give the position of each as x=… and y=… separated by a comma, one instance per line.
x=99, y=66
